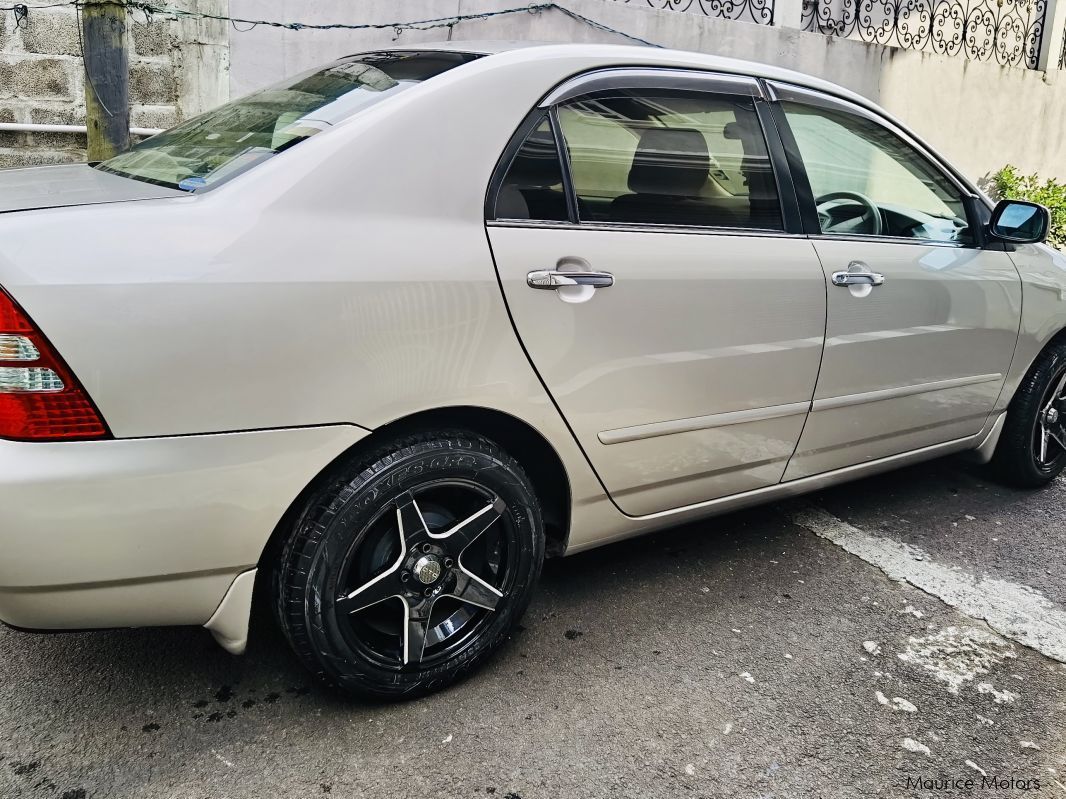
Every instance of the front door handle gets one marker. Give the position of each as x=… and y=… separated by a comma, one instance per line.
x=554, y=279
x=858, y=274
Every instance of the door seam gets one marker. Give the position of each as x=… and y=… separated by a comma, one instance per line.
x=821, y=360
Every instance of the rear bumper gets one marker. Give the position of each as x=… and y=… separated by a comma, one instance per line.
x=148, y=531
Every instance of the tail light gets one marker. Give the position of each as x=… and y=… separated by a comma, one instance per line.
x=40, y=399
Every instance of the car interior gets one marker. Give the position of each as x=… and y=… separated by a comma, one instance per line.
x=690, y=159
x=647, y=160
x=866, y=181
x=534, y=185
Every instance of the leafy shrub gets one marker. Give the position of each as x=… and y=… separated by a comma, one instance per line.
x=1012, y=185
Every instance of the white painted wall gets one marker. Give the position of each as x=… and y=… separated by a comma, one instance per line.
x=980, y=115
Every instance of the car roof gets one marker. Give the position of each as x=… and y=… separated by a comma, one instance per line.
x=639, y=55
x=476, y=46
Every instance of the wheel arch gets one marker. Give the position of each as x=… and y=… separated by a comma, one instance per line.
x=1058, y=338
x=986, y=450
x=521, y=440
x=1019, y=375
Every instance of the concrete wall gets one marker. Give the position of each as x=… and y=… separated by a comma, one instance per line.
x=177, y=69
x=980, y=115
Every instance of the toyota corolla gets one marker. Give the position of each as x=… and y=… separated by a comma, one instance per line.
x=371, y=343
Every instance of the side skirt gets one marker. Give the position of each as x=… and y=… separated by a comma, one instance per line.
x=715, y=507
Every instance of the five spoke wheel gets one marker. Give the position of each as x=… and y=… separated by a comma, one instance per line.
x=410, y=564
x=1050, y=442
x=429, y=567
x=1031, y=447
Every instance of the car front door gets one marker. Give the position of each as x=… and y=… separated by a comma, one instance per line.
x=654, y=267
x=922, y=322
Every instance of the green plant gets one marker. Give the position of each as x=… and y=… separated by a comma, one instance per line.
x=1011, y=184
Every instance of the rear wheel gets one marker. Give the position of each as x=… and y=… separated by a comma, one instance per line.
x=1032, y=448
x=411, y=567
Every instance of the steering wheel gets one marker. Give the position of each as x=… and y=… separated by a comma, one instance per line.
x=871, y=212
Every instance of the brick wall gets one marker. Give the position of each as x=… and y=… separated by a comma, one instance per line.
x=177, y=69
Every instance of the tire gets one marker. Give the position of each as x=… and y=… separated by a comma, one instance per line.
x=1017, y=460
x=437, y=535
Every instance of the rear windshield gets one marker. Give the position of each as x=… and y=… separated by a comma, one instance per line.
x=235, y=137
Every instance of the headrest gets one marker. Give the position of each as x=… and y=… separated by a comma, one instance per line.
x=670, y=161
x=510, y=204
x=537, y=164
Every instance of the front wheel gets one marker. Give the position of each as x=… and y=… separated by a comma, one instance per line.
x=1032, y=448
x=410, y=568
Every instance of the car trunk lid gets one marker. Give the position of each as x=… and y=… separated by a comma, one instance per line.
x=72, y=184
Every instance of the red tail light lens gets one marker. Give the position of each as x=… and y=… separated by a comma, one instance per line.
x=40, y=399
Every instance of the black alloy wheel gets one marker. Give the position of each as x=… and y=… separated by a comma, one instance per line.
x=1032, y=447
x=1049, y=446
x=411, y=567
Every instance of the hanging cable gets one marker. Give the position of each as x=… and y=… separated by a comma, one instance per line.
x=151, y=9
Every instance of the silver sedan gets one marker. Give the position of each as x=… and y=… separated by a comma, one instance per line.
x=371, y=343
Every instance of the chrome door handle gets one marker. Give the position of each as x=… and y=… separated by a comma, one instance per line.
x=553, y=279
x=857, y=279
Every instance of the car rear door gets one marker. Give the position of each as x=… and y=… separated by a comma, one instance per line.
x=654, y=267
x=922, y=321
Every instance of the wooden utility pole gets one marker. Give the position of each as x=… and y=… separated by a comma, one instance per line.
x=107, y=77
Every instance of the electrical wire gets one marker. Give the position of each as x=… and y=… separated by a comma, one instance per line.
x=151, y=9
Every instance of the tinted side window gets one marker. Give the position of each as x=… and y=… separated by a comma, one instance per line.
x=533, y=185
x=663, y=157
x=853, y=163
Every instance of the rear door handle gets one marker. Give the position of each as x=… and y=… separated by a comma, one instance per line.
x=857, y=279
x=553, y=279
x=858, y=274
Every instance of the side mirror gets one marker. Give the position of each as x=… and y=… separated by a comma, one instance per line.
x=1019, y=222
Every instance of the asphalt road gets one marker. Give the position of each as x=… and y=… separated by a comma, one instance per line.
x=763, y=654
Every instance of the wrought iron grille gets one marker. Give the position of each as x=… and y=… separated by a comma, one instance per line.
x=1006, y=31
x=760, y=12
